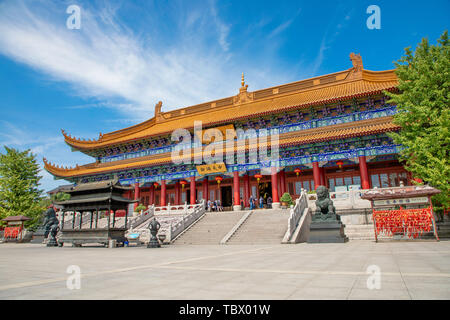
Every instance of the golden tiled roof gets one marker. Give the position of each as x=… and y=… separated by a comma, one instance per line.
x=353, y=82
x=327, y=133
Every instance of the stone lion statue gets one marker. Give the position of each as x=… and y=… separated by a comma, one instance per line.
x=324, y=205
x=49, y=220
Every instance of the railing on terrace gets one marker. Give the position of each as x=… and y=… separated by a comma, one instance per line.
x=178, y=209
x=198, y=210
x=142, y=217
x=301, y=203
x=343, y=200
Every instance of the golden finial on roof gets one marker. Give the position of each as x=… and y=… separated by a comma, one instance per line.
x=242, y=80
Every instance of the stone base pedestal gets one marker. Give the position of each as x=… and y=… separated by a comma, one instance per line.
x=237, y=208
x=52, y=243
x=275, y=205
x=329, y=230
x=38, y=236
x=37, y=239
x=153, y=243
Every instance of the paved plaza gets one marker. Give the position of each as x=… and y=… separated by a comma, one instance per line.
x=409, y=270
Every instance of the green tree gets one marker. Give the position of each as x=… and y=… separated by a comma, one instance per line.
x=60, y=196
x=423, y=103
x=19, y=185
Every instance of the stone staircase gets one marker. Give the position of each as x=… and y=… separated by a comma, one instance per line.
x=262, y=227
x=211, y=228
x=359, y=232
x=443, y=228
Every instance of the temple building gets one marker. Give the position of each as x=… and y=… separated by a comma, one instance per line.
x=332, y=131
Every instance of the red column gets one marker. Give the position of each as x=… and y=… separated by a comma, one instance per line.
x=192, y=190
x=246, y=190
x=257, y=192
x=365, y=184
x=316, y=174
x=236, y=187
x=279, y=183
x=274, y=178
x=322, y=176
x=163, y=193
x=205, y=189
x=152, y=195
x=177, y=193
x=283, y=182
x=137, y=193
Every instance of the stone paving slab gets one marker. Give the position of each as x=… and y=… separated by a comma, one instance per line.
x=409, y=270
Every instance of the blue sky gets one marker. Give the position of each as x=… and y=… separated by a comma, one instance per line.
x=128, y=55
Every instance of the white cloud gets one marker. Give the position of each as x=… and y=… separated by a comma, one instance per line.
x=106, y=60
x=283, y=26
x=280, y=28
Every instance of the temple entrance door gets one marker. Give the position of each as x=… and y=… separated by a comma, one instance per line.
x=265, y=190
x=188, y=196
x=227, y=197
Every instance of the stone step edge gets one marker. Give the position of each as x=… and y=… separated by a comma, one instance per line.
x=188, y=228
x=236, y=227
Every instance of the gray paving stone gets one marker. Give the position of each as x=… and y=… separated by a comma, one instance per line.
x=409, y=270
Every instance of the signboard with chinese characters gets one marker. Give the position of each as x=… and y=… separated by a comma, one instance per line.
x=15, y=223
x=211, y=168
x=400, y=201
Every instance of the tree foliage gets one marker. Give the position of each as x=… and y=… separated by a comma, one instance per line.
x=286, y=197
x=60, y=196
x=140, y=207
x=19, y=185
x=423, y=103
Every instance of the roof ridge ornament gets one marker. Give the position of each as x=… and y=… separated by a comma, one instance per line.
x=158, y=113
x=356, y=71
x=243, y=95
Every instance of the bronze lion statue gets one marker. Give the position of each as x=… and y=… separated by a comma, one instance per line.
x=324, y=205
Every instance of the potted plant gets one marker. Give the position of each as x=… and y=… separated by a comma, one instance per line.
x=139, y=208
x=286, y=200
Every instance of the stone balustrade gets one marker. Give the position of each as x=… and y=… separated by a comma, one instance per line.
x=343, y=200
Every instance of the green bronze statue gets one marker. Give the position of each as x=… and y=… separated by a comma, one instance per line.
x=51, y=227
x=325, y=209
x=154, y=226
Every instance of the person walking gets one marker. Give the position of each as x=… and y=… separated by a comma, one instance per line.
x=209, y=205
x=261, y=202
x=250, y=201
x=269, y=202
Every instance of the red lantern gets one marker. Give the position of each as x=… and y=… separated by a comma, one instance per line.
x=156, y=184
x=258, y=176
x=219, y=179
x=340, y=163
x=183, y=183
x=297, y=171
